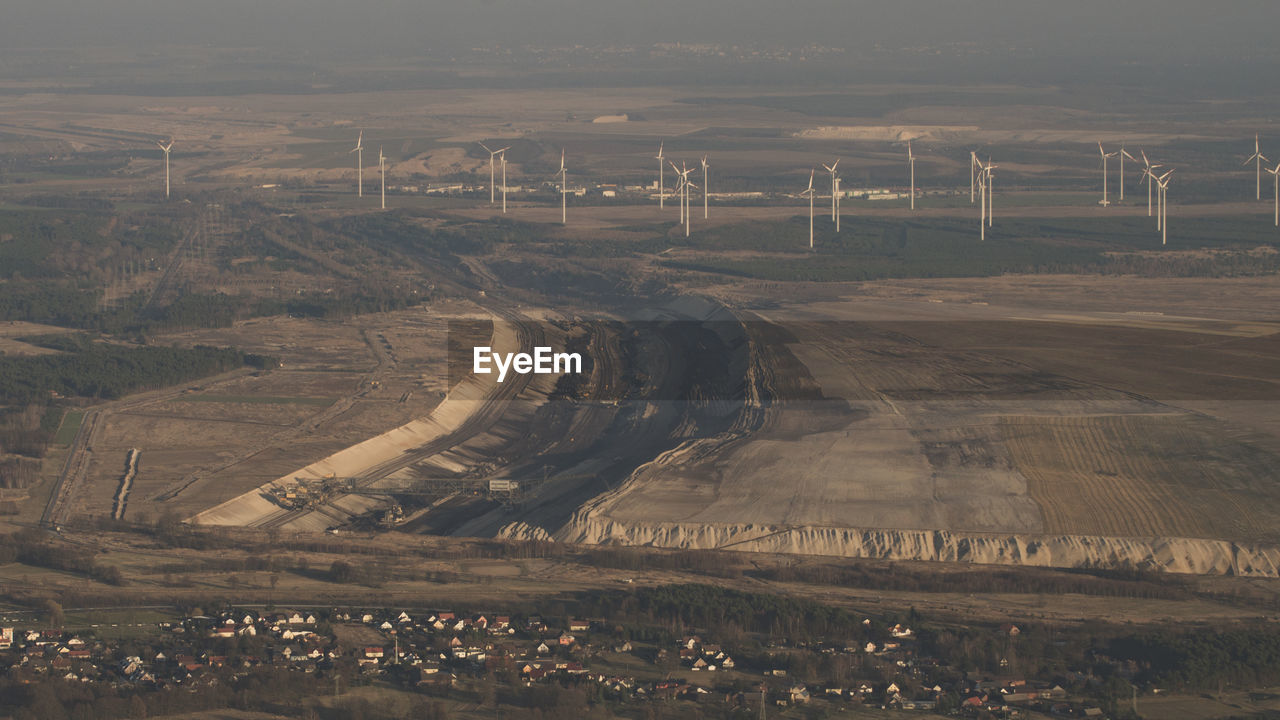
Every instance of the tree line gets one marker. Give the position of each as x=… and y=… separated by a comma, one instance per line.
x=99, y=370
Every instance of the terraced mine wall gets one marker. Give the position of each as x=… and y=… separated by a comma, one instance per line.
x=1175, y=555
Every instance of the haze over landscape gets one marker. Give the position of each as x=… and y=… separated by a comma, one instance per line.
x=927, y=359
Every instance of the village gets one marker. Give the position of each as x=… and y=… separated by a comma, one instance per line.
x=436, y=652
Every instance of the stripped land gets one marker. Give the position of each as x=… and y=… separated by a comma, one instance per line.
x=895, y=428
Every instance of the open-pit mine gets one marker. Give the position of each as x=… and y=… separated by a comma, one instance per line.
x=893, y=425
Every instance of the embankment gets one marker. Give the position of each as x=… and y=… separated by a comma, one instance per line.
x=1176, y=555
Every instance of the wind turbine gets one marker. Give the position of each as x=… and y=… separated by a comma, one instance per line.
x=974, y=166
x=564, y=191
x=382, y=169
x=837, y=203
x=1149, y=176
x=834, y=183
x=982, y=190
x=1163, y=181
x=1160, y=199
x=492, y=154
x=705, y=186
x=1259, y=159
x=662, y=194
x=359, y=151
x=679, y=191
x=1105, y=155
x=688, y=220
x=504, y=180
x=682, y=191
x=912, y=159
x=1276, y=173
x=1124, y=154
x=810, y=192
x=166, y=149
x=991, y=191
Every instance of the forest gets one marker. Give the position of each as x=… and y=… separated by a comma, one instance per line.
x=86, y=368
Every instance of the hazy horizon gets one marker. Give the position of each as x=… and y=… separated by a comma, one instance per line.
x=1135, y=30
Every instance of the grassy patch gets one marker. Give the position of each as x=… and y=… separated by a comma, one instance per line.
x=69, y=427
x=119, y=624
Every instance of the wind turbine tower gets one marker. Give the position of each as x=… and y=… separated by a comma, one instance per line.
x=688, y=221
x=912, y=159
x=810, y=192
x=837, y=203
x=1149, y=177
x=1276, y=173
x=679, y=191
x=359, y=151
x=382, y=169
x=1164, y=207
x=504, y=181
x=705, y=186
x=1258, y=158
x=974, y=166
x=1160, y=198
x=982, y=215
x=991, y=191
x=662, y=193
x=1124, y=154
x=492, y=154
x=682, y=191
x=1105, y=155
x=166, y=149
x=835, y=182
x=564, y=191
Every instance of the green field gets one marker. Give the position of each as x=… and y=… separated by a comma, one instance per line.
x=134, y=624
x=70, y=426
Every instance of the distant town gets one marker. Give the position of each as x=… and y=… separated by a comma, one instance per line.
x=439, y=652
